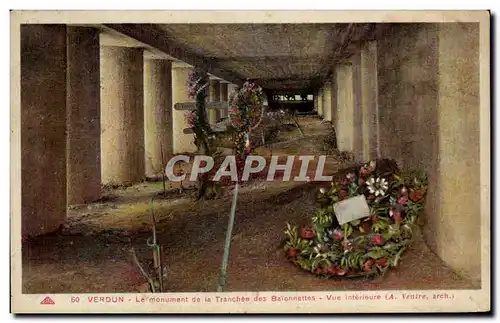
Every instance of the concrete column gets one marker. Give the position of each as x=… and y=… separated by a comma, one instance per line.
x=357, y=148
x=122, y=115
x=429, y=97
x=320, y=102
x=315, y=102
x=157, y=115
x=457, y=225
x=333, y=99
x=43, y=128
x=345, y=108
x=369, y=91
x=183, y=143
x=231, y=88
x=224, y=98
x=214, y=96
x=83, y=116
x=327, y=101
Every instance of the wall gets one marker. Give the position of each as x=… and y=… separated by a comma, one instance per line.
x=428, y=101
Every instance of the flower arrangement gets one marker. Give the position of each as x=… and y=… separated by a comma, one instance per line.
x=365, y=246
x=246, y=109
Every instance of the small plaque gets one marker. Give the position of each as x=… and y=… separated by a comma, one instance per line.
x=351, y=209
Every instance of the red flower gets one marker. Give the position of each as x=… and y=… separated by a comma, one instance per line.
x=292, y=252
x=381, y=262
x=371, y=197
x=332, y=270
x=366, y=227
x=416, y=196
x=403, y=200
x=307, y=233
x=374, y=218
x=393, y=213
x=397, y=218
x=361, y=181
x=377, y=239
x=367, y=266
x=366, y=170
x=343, y=271
x=343, y=194
x=338, y=235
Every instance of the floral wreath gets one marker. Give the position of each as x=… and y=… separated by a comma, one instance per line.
x=368, y=245
x=246, y=110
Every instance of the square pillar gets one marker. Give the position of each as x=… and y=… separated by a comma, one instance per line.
x=333, y=99
x=224, y=97
x=43, y=128
x=315, y=102
x=83, y=116
x=320, y=103
x=357, y=143
x=158, y=130
x=456, y=237
x=214, y=96
x=345, y=107
x=429, y=111
x=122, y=115
x=183, y=143
x=369, y=93
x=327, y=101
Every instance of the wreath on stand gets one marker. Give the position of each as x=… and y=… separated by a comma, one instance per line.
x=367, y=246
x=246, y=113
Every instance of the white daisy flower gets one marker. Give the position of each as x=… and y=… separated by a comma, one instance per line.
x=322, y=190
x=377, y=186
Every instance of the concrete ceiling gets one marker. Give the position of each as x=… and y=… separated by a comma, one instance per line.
x=277, y=56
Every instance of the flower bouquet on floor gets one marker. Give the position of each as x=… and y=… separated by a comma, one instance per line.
x=365, y=220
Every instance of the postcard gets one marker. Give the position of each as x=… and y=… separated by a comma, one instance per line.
x=250, y=161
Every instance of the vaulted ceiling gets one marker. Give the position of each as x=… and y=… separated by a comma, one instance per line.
x=277, y=56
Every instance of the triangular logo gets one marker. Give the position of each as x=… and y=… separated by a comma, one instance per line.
x=47, y=301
